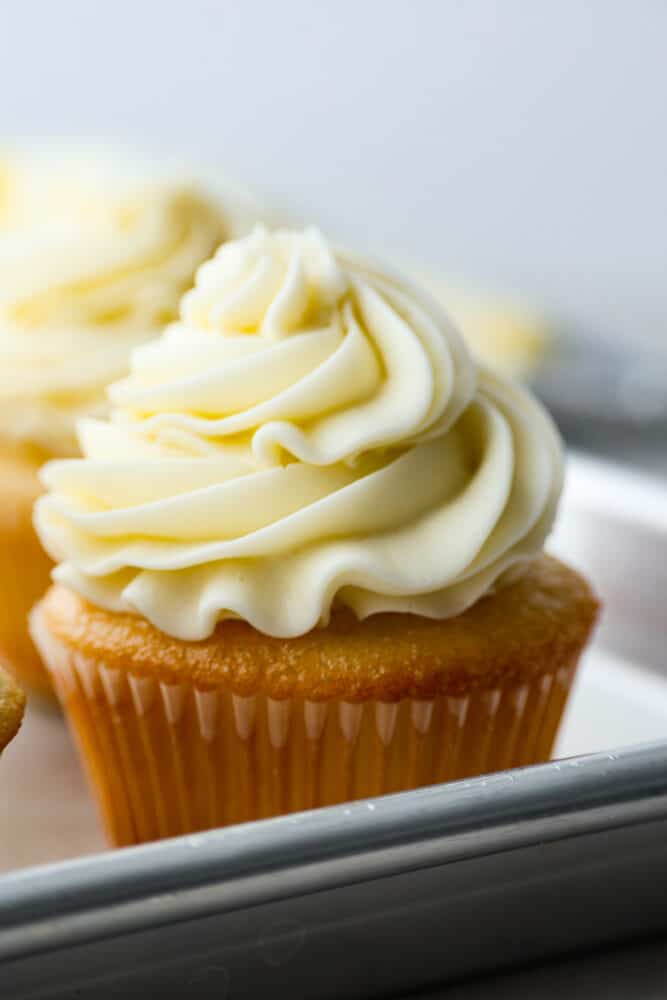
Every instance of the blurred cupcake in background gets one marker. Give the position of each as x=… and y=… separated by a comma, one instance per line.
x=509, y=337
x=12, y=705
x=94, y=256
x=302, y=562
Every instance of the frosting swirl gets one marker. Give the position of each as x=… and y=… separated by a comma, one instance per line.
x=312, y=431
x=93, y=261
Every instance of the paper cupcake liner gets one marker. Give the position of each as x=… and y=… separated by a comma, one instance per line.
x=168, y=759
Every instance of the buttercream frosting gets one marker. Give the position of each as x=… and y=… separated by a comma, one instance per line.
x=311, y=432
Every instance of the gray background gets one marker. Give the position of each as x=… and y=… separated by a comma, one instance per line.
x=519, y=143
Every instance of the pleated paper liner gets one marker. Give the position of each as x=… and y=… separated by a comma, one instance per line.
x=168, y=759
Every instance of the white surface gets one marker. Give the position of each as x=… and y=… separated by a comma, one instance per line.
x=45, y=811
x=613, y=705
x=636, y=500
x=519, y=143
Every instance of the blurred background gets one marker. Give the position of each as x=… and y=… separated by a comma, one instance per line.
x=513, y=154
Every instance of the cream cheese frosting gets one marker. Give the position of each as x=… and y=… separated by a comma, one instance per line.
x=93, y=261
x=311, y=432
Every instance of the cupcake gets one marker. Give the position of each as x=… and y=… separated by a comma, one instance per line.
x=302, y=561
x=94, y=259
x=12, y=704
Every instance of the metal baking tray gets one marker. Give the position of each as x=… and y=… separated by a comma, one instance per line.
x=384, y=897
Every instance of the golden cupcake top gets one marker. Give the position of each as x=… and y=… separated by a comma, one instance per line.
x=383, y=657
x=94, y=258
x=311, y=433
x=12, y=705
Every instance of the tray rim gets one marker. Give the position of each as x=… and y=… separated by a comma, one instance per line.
x=82, y=900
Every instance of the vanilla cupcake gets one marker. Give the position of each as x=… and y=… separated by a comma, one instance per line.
x=302, y=562
x=94, y=258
